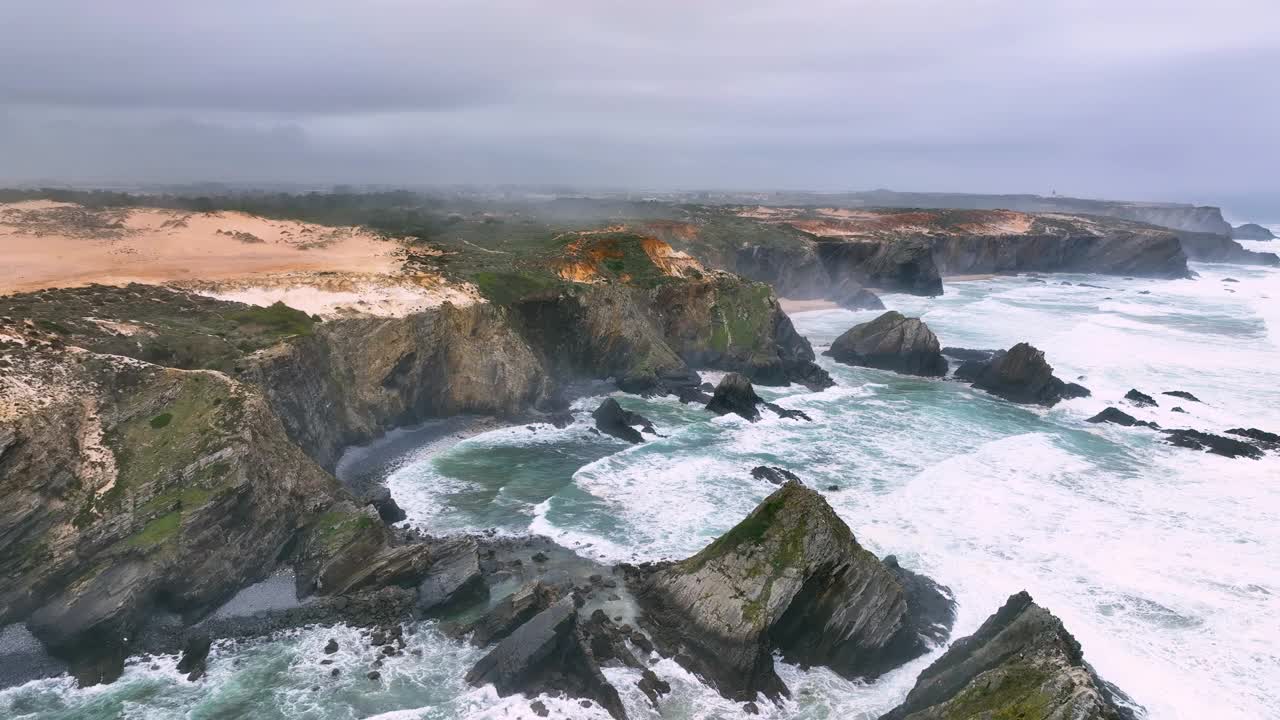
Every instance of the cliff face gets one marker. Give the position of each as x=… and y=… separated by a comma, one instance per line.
x=353, y=379
x=1207, y=247
x=833, y=253
x=128, y=488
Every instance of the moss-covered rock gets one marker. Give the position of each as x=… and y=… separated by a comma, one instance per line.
x=1022, y=664
x=789, y=578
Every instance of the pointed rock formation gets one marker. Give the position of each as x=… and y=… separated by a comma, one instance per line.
x=735, y=394
x=891, y=342
x=1021, y=375
x=611, y=419
x=789, y=578
x=1022, y=663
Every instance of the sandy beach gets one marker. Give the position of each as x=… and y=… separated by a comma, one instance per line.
x=796, y=306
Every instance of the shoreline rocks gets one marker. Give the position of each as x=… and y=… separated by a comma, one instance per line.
x=1251, y=231
x=1140, y=399
x=1117, y=416
x=736, y=395
x=1215, y=444
x=612, y=419
x=891, y=342
x=1021, y=375
x=789, y=578
x=1021, y=663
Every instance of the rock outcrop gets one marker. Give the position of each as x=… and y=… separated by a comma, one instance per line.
x=1181, y=394
x=789, y=578
x=612, y=419
x=1021, y=375
x=1140, y=399
x=1022, y=663
x=775, y=475
x=1251, y=231
x=891, y=342
x=1120, y=417
x=1220, y=248
x=559, y=651
x=1268, y=440
x=1215, y=444
x=735, y=395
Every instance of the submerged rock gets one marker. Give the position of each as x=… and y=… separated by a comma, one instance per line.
x=1181, y=394
x=1140, y=399
x=789, y=578
x=1020, y=375
x=1120, y=417
x=1216, y=444
x=775, y=475
x=1022, y=663
x=891, y=342
x=611, y=419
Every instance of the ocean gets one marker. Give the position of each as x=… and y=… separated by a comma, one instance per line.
x=1161, y=561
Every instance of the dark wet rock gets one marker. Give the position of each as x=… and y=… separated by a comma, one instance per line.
x=539, y=557
x=1140, y=399
x=690, y=395
x=1268, y=440
x=891, y=342
x=539, y=708
x=557, y=652
x=789, y=578
x=454, y=574
x=750, y=708
x=735, y=394
x=511, y=612
x=782, y=412
x=611, y=419
x=1251, y=231
x=1181, y=394
x=195, y=656
x=1178, y=409
x=373, y=675
x=1022, y=663
x=1021, y=375
x=968, y=355
x=331, y=647
x=1230, y=280
x=861, y=299
x=775, y=475
x=380, y=498
x=1119, y=417
x=1216, y=444
x=652, y=686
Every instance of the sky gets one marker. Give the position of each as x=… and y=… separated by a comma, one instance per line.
x=1140, y=99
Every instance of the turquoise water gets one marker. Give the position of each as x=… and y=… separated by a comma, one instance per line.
x=1160, y=560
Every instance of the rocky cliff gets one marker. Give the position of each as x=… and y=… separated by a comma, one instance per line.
x=1022, y=663
x=130, y=488
x=1251, y=231
x=1217, y=248
x=789, y=578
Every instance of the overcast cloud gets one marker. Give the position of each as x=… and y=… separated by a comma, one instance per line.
x=1170, y=99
